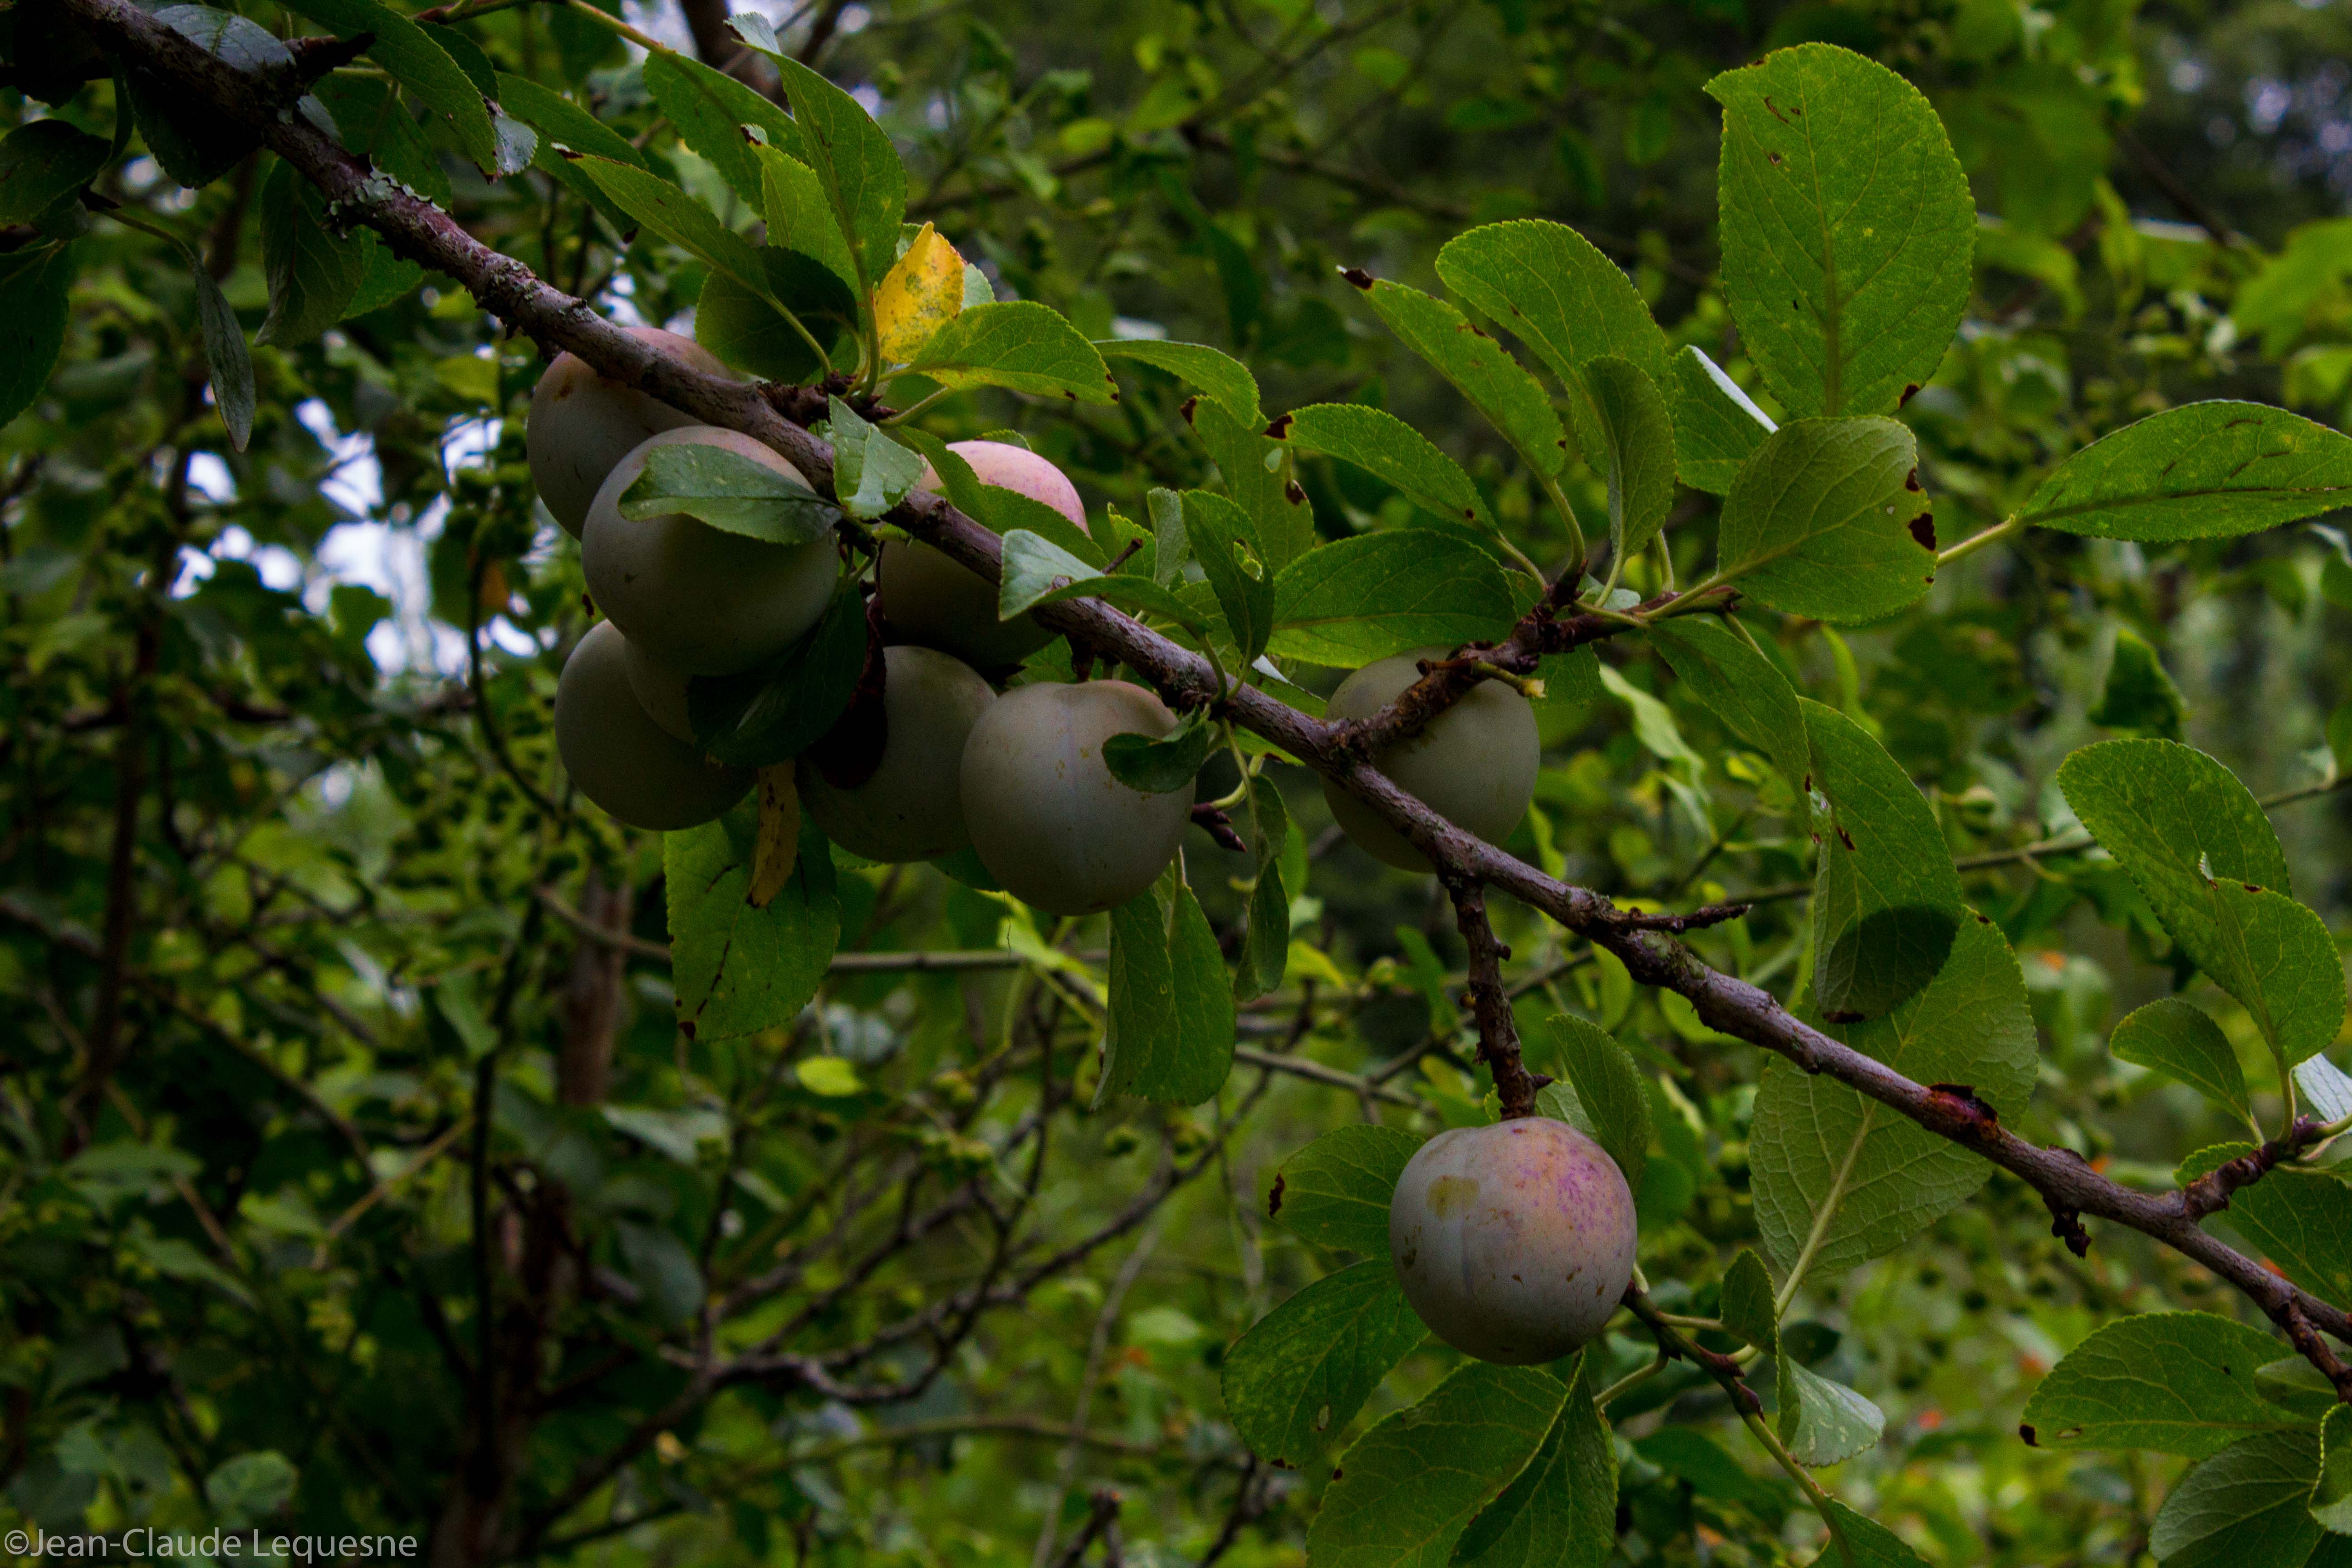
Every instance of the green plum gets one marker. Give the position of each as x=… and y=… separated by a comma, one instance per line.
x=1474, y=765
x=1049, y=819
x=620, y=758
x=912, y=807
x=581, y=423
x=694, y=597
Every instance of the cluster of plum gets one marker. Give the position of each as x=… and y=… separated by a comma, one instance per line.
x=1513, y=1241
x=1019, y=777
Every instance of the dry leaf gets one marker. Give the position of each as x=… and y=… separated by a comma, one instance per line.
x=778, y=846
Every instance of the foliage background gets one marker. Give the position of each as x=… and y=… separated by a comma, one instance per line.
x=284, y=679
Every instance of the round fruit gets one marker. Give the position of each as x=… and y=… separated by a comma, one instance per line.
x=694, y=597
x=1474, y=765
x=1514, y=1242
x=660, y=691
x=931, y=600
x=912, y=808
x=620, y=758
x=581, y=423
x=1048, y=816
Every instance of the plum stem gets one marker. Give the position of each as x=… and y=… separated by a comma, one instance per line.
x=1499, y=1032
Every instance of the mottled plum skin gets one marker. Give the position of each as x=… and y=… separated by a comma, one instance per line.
x=1048, y=818
x=581, y=423
x=1474, y=765
x=930, y=599
x=912, y=807
x=693, y=597
x=620, y=758
x=1514, y=1242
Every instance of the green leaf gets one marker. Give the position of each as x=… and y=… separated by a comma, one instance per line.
x=563, y=123
x=2178, y=1040
x=1859, y=1542
x=2205, y=470
x=1336, y=1190
x=1128, y=592
x=385, y=279
x=2179, y=1383
x=1020, y=346
x=711, y=109
x=1636, y=455
x=1840, y=1179
x=1688, y=1454
x=741, y=326
x=1169, y=1034
x=2295, y=1385
x=33, y=285
x=249, y=1487
x=1561, y=1511
x=1031, y=567
x=1259, y=473
x=739, y=970
x=1219, y=375
x=1886, y=898
x=1609, y=1090
x=1356, y=600
x=1497, y=385
x=679, y=218
x=1739, y=685
x=1391, y=450
x=864, y=183
x=871, y=473
x=1225, y=543
x=2326, y=1091
x=1162, y=767
x=728, y=491
x=1265, y=946
x=1848, y=228
x=1822, y=1421
x=1826, y=519
x=419, y=64
x=2331, y=1496
x=1749, y=1309
x=225, y=354
x=1547, y=285
x=776, y=711
x=44, y=163
x=800, y=218
x=2301, y=1220
x=1409, y=1488
x=2248, y=1505
x=1718, y=426
x=1295, y=1381
x=2200, y=848
x=187, y=138
x=314, y=274
x=2139, y=696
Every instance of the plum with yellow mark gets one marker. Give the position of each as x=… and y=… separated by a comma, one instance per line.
x=1513, y=1242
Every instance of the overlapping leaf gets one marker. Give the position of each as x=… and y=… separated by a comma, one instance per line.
x=1295, y=1381
x=2179, y=1383
x=1827, y=519
x=739, y=970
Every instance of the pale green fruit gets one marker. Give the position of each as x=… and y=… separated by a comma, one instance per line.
x=931, y=600
x=694, y=597
x=1514, y=1242
x=1475, y=765
x=912, y=808
x=620, y=758
x=660, y=691
x=1050, y=821
x=581, y=423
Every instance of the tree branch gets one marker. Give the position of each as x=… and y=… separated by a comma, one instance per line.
x=508, y=289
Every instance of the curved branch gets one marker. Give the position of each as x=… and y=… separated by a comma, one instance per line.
x=508, y=289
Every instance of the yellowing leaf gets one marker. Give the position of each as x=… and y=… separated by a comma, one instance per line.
x=830, y=1077
x=779, y=843
x=921, y=294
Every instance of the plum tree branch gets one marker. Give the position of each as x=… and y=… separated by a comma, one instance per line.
x=420, y=231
